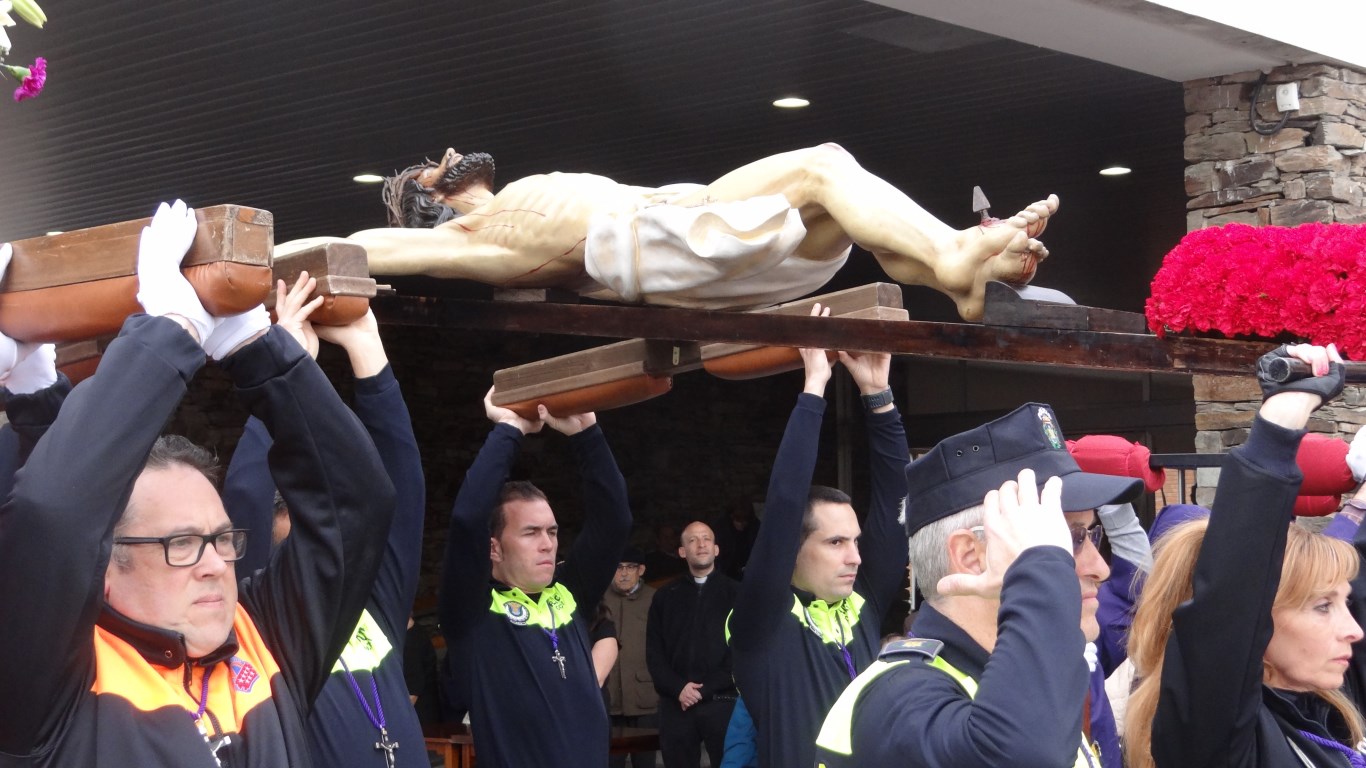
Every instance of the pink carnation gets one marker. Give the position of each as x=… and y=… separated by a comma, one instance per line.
x=33, y=84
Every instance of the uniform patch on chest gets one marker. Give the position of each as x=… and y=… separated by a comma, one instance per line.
x=244, y=675
x=517, y=613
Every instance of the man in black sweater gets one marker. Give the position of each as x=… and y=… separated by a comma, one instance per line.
x=809, y=612
x=516, y=629
x=688, y=656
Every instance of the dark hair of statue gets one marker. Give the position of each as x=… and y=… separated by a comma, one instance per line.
x=410, y=205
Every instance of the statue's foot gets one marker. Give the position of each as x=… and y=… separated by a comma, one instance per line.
x=1004, y=250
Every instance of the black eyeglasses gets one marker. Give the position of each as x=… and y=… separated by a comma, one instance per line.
x=186, y=549
x=1096, y=533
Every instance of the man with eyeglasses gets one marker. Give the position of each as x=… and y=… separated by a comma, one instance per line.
x=1003, y=545
x=132, y=642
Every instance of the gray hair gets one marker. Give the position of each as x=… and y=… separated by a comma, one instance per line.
x=929, y=552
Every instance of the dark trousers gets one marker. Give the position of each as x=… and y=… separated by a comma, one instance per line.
x=683, y=732
x=638, y=759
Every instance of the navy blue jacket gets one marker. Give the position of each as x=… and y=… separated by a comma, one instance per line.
x=522, y=712
x=788, y=676
x=340, y=732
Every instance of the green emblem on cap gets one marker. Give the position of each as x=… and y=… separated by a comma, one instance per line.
x=1049, y=430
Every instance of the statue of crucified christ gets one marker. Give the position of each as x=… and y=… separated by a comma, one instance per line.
x=771, y=231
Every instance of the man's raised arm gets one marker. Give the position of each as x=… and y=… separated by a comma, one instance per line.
x=883, y=544
x=766, y=592
x=339, y=497
x=589, y=568
x=465, y=575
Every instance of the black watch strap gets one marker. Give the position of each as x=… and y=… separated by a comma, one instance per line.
x=877, y=399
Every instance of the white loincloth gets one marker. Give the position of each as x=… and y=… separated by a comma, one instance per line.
x=734, y=255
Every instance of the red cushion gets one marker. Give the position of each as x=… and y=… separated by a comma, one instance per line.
x=1113, y=455
x=1323, y=460
x=1316, y=506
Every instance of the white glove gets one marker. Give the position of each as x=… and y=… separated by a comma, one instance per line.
x=36, y=369
x=1092, y=655
x=162, y=289
x=236, y=329
x=1356, y=456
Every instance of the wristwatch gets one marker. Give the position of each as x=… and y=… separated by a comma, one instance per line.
x=877, y=399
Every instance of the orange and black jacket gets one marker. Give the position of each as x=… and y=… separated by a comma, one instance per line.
x=85, y=686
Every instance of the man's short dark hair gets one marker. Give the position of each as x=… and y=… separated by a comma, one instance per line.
x=513, y=490
x=820, y=494
x=171, y=451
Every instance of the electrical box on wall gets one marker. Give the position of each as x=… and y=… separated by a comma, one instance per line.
x=1288, y=97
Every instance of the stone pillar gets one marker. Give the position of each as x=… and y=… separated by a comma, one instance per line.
x=1313, y=169
x=1226, y=405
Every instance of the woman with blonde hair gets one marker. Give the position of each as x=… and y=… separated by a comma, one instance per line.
x=1243, y=633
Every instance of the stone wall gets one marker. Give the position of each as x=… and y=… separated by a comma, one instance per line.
x=1226, y=405
x=1312, y=170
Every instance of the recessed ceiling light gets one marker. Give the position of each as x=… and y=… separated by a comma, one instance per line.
x=368, y=178
x=54, y=232
x=791, y=102
x=1114, y=170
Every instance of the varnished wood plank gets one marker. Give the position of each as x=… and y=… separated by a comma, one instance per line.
x=962, y=341
x=230, y=233
x=591, y=367
x=341, y=269
x=628, y=359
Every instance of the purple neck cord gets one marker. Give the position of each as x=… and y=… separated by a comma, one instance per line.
x=203, y=695
x=1355, y=758
x=378, y=722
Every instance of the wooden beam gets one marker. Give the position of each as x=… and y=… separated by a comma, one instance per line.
x=875, y=301
x=230, y=233
x=343, y=274
x=593, y=367
x=82, y=284
x=961, y=341
x=631, y=364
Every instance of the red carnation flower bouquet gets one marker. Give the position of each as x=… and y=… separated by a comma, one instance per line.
x=31, y=78
x=1308, y=282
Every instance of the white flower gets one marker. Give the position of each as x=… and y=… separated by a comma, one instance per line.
x=4, y=43
x=29, y=11
x=5, y=19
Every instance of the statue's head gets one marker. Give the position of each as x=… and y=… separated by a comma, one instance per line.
x=416, y=196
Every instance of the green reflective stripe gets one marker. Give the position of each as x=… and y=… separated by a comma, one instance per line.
x=837, y=732
x=367, y=647
x=728, y=615
x=554, y=607
x=960, y=677
x=831, y=622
